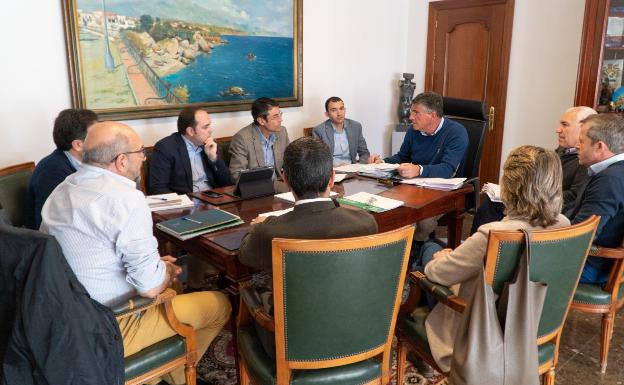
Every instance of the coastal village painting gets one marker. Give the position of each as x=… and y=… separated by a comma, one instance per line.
x=141, y=58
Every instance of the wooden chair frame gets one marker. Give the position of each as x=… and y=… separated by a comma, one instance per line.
x=609, y=310
x=189, y=360
x=284, y=367
x=547, y=369
x=145, y=169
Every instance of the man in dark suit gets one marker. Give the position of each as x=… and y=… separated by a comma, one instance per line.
x=343, y=136
x=188, y=160
x=70, y=130
x=308, y=172
x=601, y=150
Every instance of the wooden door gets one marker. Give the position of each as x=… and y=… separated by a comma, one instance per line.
x=468, y=45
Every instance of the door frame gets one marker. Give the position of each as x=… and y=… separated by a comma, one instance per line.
x=441, y=5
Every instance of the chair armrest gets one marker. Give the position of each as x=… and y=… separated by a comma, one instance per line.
x=253, y=302
x=476, y=184
x=442, y=293
x=139, y=303
x=607, y=252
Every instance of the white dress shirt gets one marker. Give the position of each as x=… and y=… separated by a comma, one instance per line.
x=104, y=227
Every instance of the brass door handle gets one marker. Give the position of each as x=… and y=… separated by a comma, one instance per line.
x=491, y=117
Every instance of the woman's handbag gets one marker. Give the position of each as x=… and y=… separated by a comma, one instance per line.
x=483, y=354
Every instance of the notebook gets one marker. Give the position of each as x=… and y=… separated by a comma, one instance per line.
x=199, y=223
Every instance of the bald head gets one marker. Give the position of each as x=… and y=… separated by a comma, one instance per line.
x=569, y=127
x=115, y=147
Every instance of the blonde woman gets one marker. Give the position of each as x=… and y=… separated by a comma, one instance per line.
x=531, y=192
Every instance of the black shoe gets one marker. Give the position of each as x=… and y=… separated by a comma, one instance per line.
x=423, y=368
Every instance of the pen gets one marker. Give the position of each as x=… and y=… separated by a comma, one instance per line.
x=191, y=220
x=159, y=199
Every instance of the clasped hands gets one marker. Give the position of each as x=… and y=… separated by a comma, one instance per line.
x=173, y=269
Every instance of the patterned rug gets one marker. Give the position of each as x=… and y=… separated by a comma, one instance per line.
x=217, y=366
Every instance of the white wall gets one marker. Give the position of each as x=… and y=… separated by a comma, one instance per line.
x=356, y=49
x=545, y=49
x=352, y=48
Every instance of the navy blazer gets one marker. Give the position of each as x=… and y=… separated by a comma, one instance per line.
x=603, y=195
x=49, y=173
x=170, y=168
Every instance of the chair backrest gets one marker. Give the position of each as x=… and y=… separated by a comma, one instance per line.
x=307, y=131
x=224, y=148
x=470, y=114
x=336, y=300
x=145, y=169
x=557, y=259
x=13, y=187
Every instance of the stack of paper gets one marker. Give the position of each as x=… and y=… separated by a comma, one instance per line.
x=199, y=223
x=379, y=170
x=371, y=202
x=445, y=184
x=355, y=167
x=493, y=191
x=168, y=201
x=289, y=197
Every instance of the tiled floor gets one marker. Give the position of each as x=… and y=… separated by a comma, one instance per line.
x=579, y=351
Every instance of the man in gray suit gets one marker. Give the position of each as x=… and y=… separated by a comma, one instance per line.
x=343, y=136
x=261, y=143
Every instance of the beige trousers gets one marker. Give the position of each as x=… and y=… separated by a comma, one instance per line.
x=205, y=311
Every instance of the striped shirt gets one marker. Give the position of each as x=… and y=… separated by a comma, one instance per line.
x=104, y=227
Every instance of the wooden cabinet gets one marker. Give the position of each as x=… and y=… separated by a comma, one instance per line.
x=602, y=56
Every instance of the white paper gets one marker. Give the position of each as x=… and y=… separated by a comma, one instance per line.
x=375, y=200
x=355, y=167
x=436, y=183
x=168, y=202
x=493, y=191
x=339, y=178
x=276, y=213
x=289, y=197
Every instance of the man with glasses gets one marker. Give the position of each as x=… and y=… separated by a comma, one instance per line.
x=261, y=143
x=70, y=129
x=435, y=148
x=104, y=227
x=188, y=161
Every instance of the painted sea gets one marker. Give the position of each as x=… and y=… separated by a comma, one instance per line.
x=258, y=65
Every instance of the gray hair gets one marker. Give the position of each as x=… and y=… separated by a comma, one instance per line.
x=105, y=152
x=431, y=101
x=581, y=112
x=607, y=128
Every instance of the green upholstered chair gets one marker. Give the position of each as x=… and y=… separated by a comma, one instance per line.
x=13, y=187
x=336, y=303
x=607, y=299
x=557, y=258
x=163, y=356
x=223, y=144
x=145, y=170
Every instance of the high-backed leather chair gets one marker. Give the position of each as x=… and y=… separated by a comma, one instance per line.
x=13, y=187
x=307, y=131
x=335, y=304
x=145, y=169
x=605, y=299
x=557, y=259
x=471, y=114
x=224, y=148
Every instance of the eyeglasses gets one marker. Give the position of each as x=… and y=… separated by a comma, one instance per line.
x=139, y=151
x=276, y=116
x=414, y=112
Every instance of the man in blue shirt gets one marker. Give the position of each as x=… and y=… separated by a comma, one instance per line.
x=435, y=147
x=343, y=136
x=261, y=143
x=601, y=150
x=187, y=161
x=70, y=130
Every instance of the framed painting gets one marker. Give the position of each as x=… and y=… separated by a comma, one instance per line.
x=131, y=59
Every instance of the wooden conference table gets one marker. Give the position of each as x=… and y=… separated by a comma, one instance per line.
x=420, y=203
